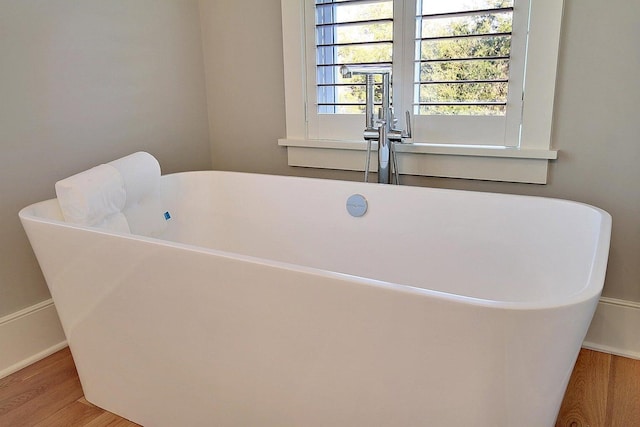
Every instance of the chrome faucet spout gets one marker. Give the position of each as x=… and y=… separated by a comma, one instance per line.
x=381, y=129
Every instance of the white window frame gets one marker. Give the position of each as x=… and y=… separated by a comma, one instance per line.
x=525, y=160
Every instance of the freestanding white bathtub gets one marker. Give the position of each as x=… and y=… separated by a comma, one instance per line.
x=264, y=303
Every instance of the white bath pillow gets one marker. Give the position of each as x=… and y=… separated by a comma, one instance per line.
x=94, y=197
x=141, y=174
x=115, y=222
x=143, y=208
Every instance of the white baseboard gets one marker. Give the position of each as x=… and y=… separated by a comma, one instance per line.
x=28, y=336
x=615, y=328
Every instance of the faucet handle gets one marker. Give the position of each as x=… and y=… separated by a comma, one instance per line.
x=398, y=135
x=407, y=133
x=394, y=119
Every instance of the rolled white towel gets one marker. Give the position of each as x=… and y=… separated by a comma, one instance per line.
x=115, y=222
x=143, y=207
x=141, y=175
x=94, y=197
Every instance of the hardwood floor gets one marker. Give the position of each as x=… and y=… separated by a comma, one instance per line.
x=604, y=391
x=48, y=394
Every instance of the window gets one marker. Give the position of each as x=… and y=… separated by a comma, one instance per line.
x=459, y=67
x=462, y=57
x=348, y=33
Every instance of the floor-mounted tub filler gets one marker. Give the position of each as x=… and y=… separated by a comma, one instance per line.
x=258, y=300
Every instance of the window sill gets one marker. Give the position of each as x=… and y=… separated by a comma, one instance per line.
x=490, y=163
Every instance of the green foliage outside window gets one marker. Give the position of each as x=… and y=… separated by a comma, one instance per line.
x=456, y=67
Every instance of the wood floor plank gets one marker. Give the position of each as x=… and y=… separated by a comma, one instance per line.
x=585, y=402
x=43, y=366
x=110, y=420
x=107, y=418
x=48, y=393
x=44, y=402
x=74, y=414
x=623, y=409
x=37, y=388
x=84, y=401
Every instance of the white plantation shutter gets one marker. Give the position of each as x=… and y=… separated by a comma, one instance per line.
x=458, y=72
x=462, y=57
x=349, y=32
x=459, y=68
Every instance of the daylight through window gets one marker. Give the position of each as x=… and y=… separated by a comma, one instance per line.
x=462, y=57
x=460, y=61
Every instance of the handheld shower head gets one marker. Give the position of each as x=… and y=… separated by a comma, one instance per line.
x=345, y=72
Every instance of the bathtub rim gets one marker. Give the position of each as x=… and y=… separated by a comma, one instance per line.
x=592, y=289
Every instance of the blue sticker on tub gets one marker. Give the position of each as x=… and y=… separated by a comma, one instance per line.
x=167, y=216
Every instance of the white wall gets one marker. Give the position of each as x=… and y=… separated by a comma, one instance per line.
x=82, y=83
x=245, y=87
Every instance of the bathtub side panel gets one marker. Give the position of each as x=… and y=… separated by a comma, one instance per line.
x=169, y=336
x=542, y=350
